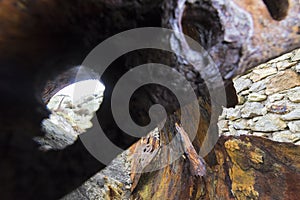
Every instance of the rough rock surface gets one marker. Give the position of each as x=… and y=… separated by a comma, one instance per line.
x=70, y=116
x=113, y=182
x=269, y=106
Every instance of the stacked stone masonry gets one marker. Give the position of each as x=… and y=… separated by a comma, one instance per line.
x=269, y=102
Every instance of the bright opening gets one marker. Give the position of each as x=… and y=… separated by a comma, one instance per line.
x=72, y=109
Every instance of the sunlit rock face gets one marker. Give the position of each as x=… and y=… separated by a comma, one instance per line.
x=66, y=78
x=269, y=102
x=72, y=109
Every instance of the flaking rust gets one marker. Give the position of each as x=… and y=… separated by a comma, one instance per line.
x=197, y=165
x=144, y=152
x=147, y=149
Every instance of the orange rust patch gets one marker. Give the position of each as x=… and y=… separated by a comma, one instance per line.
x=243, y=180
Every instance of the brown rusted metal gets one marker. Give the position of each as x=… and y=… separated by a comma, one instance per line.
x=239, y=168
x=238, y=34
x=40, y=39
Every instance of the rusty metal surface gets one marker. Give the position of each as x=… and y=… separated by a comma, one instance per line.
x=40, y=39
x=238, y=34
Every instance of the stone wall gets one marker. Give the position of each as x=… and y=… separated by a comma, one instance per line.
x=269, y=101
